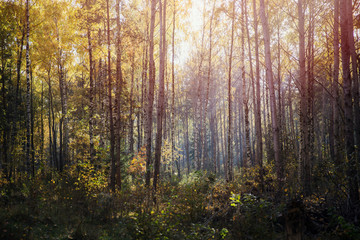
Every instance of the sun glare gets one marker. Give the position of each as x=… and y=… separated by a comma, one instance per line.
x=193, y=24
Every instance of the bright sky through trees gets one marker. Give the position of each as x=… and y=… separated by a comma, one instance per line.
x=190, y=32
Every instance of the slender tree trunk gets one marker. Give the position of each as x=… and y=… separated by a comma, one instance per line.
x=334, y=87
x=203, y=129
x=42, y=134
x=217, y=141
x=187, y=142
x=118, y=99
x=237, y=131
x=131, y=123
x=259, y=149
x=19, y=62
x=241, y=129
x=280, y=116
x=54, y=159
x=161, y=98
x=173, y=87
x=16, y=116
x=229, y=143
x=304, y=123
x=310, y=105
x=355, y=78
x=257, y=102
x=92, y=93
x=63, y=119
x=244, y=89
x=150, y=95
x=198, y=137
x=51, y=160
x=269, y=75
x=139, y=116
x=112, y=135
x=214, y=149
x=143, y=84
x=32, y=124
x=66, y=123
x=223, y=138
x=345, y=14
x=28, y=107
x=291, y=116
x=5, y=124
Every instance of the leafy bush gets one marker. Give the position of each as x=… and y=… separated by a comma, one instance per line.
x=254, y=217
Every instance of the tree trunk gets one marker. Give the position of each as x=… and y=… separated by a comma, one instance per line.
x=304, y=154
x=214, y=149
x=355, y=79
x=112, y=135
x=310, y=105
x=42, y=134
x=92, y=93
x=259, y=149
x=229, y=143
x=28, y=107
x=269, y=76
x=161, y=98
x=5, y=124
x=223, y=138
x=18, y=78
x=345, y=14
x=131, y=120
x=334, y=87
x=150, y=95
x=244, y=89
x=32, y=125
x=118, y=99
x=143, y=84
x=187, y=142
x=257, y=102
x=173, y=85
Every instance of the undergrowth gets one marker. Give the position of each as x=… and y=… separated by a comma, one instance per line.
x=77, y=205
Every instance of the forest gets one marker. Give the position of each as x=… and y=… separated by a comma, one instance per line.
x=179, y=119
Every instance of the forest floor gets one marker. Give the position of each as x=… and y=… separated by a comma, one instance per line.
x=197, y=207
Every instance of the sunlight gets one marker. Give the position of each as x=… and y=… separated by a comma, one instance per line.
x=194, y=23
x=179, y=119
